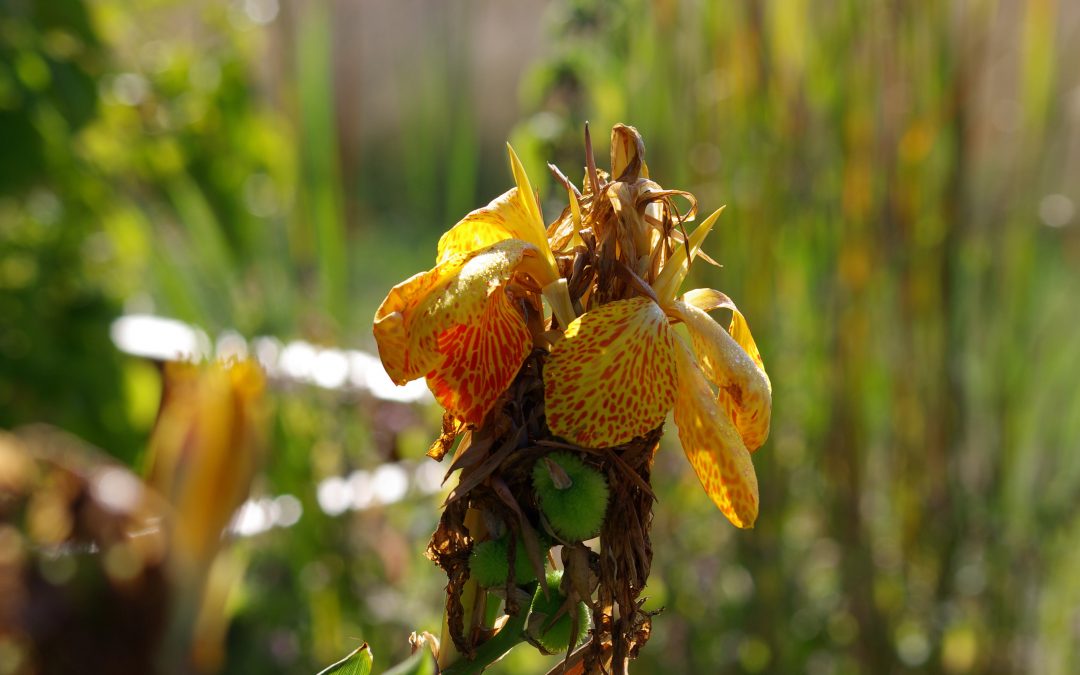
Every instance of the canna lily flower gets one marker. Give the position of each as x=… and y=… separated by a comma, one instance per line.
x=461, y=324
x=621, y=367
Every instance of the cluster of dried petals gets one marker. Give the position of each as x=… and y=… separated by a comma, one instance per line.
x=610, y=268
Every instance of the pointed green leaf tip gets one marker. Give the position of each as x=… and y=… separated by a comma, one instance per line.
x=575, y=511
x=357, y=663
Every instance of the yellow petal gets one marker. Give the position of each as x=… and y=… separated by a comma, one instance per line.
x=740, y=331
x=678, y=265
x=612, y=377
x=745, y=390
x=506, y=217
x=708, y=299
x=713, y=446
x=463, y=296
x=480, y=359
x=546, y=272
x=537, y=234
x=479, y=338
x=456, y=325
x=393, y=318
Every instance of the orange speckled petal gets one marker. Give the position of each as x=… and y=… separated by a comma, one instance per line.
x=713, y=446
x=411, y=323
x=745, y=390
x=481, y=358
x=463, y=299
x=395, y=314
x=477, y=336
x=612, y=377
x=506, y=217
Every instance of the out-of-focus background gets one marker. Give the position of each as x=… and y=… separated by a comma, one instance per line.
x=902, y=184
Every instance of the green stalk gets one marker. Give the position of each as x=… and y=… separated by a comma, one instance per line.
x=495, y=648
x=492, y=610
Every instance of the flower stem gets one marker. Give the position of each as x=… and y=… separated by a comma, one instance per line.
x=558, y=296
x=494, y=649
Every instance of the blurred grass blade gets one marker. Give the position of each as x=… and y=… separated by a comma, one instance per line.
x=321, y=173
x=357, y=663
x=463, y=164
x=214, y=261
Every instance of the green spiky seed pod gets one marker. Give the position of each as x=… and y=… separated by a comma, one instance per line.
x=572, y=495
x=487, y=563
x=555, y=636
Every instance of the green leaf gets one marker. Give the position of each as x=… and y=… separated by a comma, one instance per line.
x=357, y=663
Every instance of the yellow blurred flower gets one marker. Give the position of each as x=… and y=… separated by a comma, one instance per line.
x=204, y=451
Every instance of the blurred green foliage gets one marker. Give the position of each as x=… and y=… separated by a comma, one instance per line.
x=891, y=172
x=51, y=327
x=901, y=234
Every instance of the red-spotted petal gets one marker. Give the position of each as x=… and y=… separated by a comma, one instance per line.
x=612, y=376
x=393, y=318
x=745, y=391
x=481, y=339
x=456, y=325
x=481, y=359
x=463, y=297
x=713, y=446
